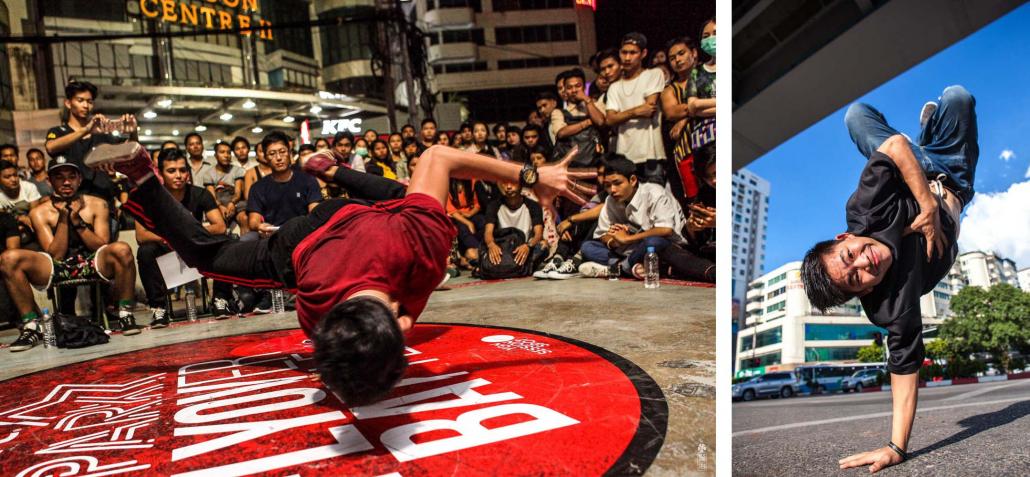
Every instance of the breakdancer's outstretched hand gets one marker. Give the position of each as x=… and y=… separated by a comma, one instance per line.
x=876, y=460
x=557, y=181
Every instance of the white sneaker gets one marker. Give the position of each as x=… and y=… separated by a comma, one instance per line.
x=565, y=271
x=593, y=270
x=446, y=278
x=551, y=266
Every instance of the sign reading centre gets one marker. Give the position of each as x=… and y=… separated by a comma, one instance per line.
x=198, y=14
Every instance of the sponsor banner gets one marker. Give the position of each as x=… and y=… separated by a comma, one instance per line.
x=474, y=401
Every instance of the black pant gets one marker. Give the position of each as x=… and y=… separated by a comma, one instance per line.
x=579, y=232
x=264, y=263
x=689, y=263
x=154, y=283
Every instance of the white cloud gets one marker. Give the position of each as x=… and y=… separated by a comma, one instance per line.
x=999, y=222
x=1007, y=154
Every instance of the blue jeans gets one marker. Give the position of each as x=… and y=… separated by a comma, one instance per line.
x=595, y=251
x=947, y=143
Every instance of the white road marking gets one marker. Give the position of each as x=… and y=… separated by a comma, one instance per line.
x=967, y=395
x=865, y=416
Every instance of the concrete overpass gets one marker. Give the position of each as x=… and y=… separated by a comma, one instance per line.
x=796, y=61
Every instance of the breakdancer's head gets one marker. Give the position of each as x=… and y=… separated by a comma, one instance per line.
x=359, y=346
x=834, y=271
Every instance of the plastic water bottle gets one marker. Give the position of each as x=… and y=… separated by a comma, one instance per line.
x=47, y=325
x=613, y=270
x=191, y=304
x=278, y=301
x=651, y=269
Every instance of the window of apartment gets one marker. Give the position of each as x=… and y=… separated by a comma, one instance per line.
x=511, y=5
x=535, y=34
x=537, y=62
x=813, y=355
x=6, y=96
x=776, y=307
x=460, y=67
x=296, y=40
x=103, y=10
x=346, y=42
x=778, y=278
x=457, y=36
x=777, y=292
x=476, y=5
x=767, y=359
x=98, y=60
x=833, y=332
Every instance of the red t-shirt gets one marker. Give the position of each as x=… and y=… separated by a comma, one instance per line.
x=398, y=246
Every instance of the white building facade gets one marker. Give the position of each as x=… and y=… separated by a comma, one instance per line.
x=985, y=269
x=1024, y=279
x=750, y=216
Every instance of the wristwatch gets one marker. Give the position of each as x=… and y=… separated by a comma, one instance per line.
x=528, y=176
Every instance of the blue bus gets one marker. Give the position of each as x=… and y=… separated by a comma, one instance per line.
x=820, y=378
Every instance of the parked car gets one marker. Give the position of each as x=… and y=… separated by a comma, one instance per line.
x=781, y=384
x=860, y=379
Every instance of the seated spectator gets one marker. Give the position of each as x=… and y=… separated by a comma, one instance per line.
x=515, y=211
x=479, y=134
x=444, y=139
x=73, y=230
x=37, y=172
x=379, y=163
x=370, y=136
x=225, y=183
x=531, y=136
x=321, y=143
x=18, y=197
x=260, y=170
x=428, y=134
x=500, y=140
x=635, y=216
x=463, y=139
x=463, y=207
x=303, y=151
x=408, y=132
x=400, y=161
x=175, y=174
x=9, y=240
x=343, y=145
x=694, y=259
x=361, y=155
x=284, y=194
x=199, y=165
x=514, y=136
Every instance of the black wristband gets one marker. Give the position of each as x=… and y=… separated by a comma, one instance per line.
x=894, y=447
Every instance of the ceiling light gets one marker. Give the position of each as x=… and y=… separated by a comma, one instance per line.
x=148, y=132
x=175, y=132
x=315, y=109
x=150, y=115
x=200, y=128
x=225, y=116
x=165, y=103
x=288, y=119
x=257, y=130
x=249, y=104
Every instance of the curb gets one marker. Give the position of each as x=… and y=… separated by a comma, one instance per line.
x=956, y=381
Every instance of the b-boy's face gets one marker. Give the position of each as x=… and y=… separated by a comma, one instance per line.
x=857, y=264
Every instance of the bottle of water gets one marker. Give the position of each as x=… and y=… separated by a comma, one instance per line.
x=191, y=304
x=47, y=325
x=651, y=269
x=613, y=269
x=278, y=301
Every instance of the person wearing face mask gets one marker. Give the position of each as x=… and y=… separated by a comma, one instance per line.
x=901, y=239
x=701, y=92
x=676, y=115
x=360, y=155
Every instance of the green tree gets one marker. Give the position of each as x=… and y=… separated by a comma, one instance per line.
x=870, y=354
x=994, y=320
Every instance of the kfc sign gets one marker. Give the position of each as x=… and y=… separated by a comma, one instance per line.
x=251, y=404
x=333, y=126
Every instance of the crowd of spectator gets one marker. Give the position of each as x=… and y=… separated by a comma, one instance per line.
x=645, y=124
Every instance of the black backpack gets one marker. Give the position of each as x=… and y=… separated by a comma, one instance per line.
x=508, y=239
x=77, y=332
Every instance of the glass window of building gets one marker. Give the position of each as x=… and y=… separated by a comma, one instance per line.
x=830, y=354
x=835, y=332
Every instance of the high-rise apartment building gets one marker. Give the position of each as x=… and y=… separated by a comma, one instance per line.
x=986, y=269
x=750, y=215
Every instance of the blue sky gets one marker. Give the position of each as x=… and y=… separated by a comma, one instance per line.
x=814, y=173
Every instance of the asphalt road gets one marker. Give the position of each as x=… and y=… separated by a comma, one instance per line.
x=966, y=430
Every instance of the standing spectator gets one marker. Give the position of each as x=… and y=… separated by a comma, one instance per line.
x=361, y=153
x=321, y=144
x=575, y=125
x=73, y=230
x=76, y=137
x=370, y=136
x=500, y=141
x=412, y=149
x=428, y=137
x=478, y=143
x=241, y=150
x=546, y=103
x=632, y=110
x=37, y=172
x=343, y=144
x=400, y=161
x=701, y=93
x=559, y=87
x=677, y=115
x=175, y=174
x=303, y=151
x=635, y=216
x=9, y=153
x=513, y=136
x=17, y=198
x=379, y=162
x=531, y=136
x=407, y=131
x=444, y=139
x=225, y=183
x=515, y=211
x=199, y=165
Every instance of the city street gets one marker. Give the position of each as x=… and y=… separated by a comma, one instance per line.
x=965, y=430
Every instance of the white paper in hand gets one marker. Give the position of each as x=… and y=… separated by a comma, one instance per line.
x=175, y=271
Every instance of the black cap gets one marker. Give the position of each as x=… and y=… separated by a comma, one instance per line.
x=635, y=38
x=59, y=162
